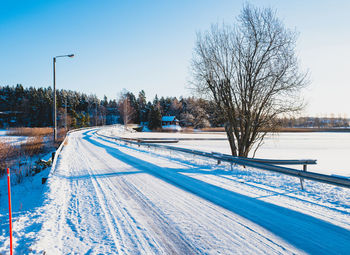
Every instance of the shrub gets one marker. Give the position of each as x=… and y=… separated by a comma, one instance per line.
x=7, y=154
x=32, y=146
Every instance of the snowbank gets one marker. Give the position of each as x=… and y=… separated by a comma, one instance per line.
x=172, y=128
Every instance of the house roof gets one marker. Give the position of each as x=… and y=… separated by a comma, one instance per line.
x=169, y=118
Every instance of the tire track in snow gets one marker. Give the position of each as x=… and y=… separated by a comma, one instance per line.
x=72, y=208
x=106, y=212
x=165, y=229
x=264, y=240
x=288, y=202
x=161, y=225
x=259, y=237
x=288, y=217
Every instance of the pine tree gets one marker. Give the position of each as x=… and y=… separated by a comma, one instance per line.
x=142, y=110
x=74, y=119
x=155, y=117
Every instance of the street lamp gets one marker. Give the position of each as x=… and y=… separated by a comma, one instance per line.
x=54, y=95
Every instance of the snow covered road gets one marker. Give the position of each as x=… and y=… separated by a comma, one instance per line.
x=108, y=198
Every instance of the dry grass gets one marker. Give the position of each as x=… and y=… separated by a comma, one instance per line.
x=5, y=149
x=32, y=146
x=187, y=130
x=7, y=153
x=214, y=129
x=25, y=131
x=11, y=156
x=17, y=157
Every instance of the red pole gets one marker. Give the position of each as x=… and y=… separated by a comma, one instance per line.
x=10, y=212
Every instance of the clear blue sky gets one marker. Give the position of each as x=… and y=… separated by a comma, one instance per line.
x=148, y=45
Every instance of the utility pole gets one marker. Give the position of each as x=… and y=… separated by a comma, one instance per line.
x=65, y=114
x=54, y=102
x=54, y=96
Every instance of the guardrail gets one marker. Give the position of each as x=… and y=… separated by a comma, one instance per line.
x=303, y=162
x=281, y=161
x=263, y=164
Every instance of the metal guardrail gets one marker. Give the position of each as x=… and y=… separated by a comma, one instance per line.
x=275, y=161
x=284, y=162
x=267, y=161
x=270, y=165
x=148, y=140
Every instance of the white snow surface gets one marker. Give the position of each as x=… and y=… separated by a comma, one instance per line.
x=172, y=127
x=12, y=140
x=105, y=197
x=200, y=135
x=330, y=149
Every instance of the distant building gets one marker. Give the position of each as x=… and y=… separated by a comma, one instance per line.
x=170, y=120
x=170, y=123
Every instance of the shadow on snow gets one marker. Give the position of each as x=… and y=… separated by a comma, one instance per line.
x=303, y=231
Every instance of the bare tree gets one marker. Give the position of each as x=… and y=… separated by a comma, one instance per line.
x=126, y=110
x=195, y=114
x=251, y=72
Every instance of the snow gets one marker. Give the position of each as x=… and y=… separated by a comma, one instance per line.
x=105, y=197
x=116, y=132
x=27, y=199
x=13, y=140
x=172, y=127
x=329, y=149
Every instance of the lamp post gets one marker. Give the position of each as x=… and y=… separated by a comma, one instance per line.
x=54, y=95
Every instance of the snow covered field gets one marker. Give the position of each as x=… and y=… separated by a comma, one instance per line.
x=105, y=197
x=13, y=140
x=330, y=149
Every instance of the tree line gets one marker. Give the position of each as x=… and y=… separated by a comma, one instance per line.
x=32, y=107
x=190, y=111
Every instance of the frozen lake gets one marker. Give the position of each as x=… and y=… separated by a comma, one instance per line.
x=332, y=150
